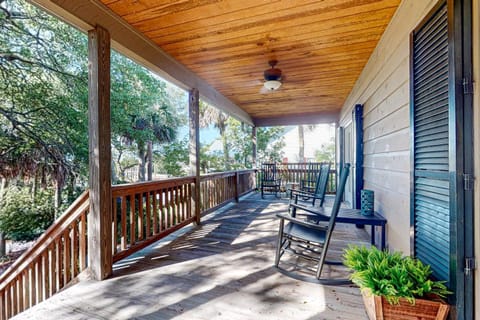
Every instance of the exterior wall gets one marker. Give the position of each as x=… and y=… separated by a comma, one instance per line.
x=383, y=89
x=476, y=111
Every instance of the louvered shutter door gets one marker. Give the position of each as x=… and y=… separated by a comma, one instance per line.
x=431, y=193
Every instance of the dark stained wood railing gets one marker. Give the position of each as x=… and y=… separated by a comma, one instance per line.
x=55, y=259
x=216, y=189
x=146, y=212
x=142, y=213
x=296, y=172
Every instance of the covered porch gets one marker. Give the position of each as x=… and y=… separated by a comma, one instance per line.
x=357, y=75
x=222, y=269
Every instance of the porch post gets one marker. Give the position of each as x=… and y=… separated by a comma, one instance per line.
x=194, y=119
x=100, y=217
x=254, y=154
x=254, y=146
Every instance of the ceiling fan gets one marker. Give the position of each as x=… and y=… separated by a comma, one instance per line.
x=272, y=76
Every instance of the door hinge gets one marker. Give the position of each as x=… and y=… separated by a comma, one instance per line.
x=467, y=85
x=468, y=181
x=470, y=265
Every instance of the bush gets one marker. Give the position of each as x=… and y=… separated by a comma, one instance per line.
x=392, y=275
x=24, y=219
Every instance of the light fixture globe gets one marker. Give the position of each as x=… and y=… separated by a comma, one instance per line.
x=272, y=76
x=272, y=85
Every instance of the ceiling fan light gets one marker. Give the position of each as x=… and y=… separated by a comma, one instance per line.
x=272, y=84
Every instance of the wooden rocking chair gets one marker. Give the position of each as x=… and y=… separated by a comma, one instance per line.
x=310, y=240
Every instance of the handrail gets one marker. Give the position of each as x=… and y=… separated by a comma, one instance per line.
x=55, y=259
x=148, y=211
x=65, y=220
x=142, y=213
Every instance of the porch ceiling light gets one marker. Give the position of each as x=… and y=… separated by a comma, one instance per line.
x=272, y=84
x=272, y=77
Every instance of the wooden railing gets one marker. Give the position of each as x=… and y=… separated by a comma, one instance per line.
x=296, y=172
x=216, y=189
x=146, y=212
x=142, y=213
x=56, y=258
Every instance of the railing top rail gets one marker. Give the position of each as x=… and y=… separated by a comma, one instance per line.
x=151, y=185
x=47, y=238
x=224, y=174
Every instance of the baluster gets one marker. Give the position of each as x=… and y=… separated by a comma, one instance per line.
x=66, y=257
x=155, y=212
x=59, y=246
x=177, y=204
x=114, y=225
x=8, y=302
x=148, y=224
x=132, y=219
x=161, y=216
x=140, y=216
x=52, y=269
x=123, y=222
x=14, y=298
x=171, y=207
x=39, y=278
x=83, y=241
x=46, y=275
x=20, y=293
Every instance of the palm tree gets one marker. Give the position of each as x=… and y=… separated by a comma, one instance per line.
x=301, y=140
x=210, y=115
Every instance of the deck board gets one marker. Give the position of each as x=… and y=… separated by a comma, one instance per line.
x=220, y=270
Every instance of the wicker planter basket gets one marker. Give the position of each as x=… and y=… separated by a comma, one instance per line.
x=378, y=308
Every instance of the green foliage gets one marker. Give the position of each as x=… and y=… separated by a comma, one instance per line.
x=391, y=275
x=326, y=153
x=269, y=144
x=174, y=158
x=24, y=218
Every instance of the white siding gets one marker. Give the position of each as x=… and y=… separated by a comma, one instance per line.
x=383, y=89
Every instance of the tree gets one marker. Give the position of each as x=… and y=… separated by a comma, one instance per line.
x=270, y=142
x=326, y=153
x=239, y=143
x=301, y=140
x=141, y=112
x=43, y=84
x=210, y=115
x=174, y=158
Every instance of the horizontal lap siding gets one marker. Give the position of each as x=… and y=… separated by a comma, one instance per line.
x=383, y=89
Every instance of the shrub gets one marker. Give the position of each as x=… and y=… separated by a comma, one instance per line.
x=24, y=219
x=392, y=275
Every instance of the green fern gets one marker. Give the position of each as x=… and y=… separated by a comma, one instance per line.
x=391, y=275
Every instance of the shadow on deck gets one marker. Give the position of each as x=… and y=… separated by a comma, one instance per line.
x=220, y=270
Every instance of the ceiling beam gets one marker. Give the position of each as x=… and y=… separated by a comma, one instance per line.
x=298, y=119
x=86, y=14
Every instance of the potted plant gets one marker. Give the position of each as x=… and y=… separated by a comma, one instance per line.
x=394, y=286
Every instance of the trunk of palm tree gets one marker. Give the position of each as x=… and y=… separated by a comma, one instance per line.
x=301, y=144
x=141, y=162
x=149, y=161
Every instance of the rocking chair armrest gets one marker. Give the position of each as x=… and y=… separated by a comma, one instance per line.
x=304, y=194
x=313, y=210
x=304, y=223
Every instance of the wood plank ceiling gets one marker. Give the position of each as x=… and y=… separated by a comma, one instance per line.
x=321, y=47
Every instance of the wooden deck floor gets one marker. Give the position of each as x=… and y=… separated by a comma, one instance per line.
x=221, y=270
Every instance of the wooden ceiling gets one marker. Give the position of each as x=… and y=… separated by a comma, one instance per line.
x=321, y=47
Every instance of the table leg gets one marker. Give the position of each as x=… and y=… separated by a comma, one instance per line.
x=383, y=237
x=372, y=234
